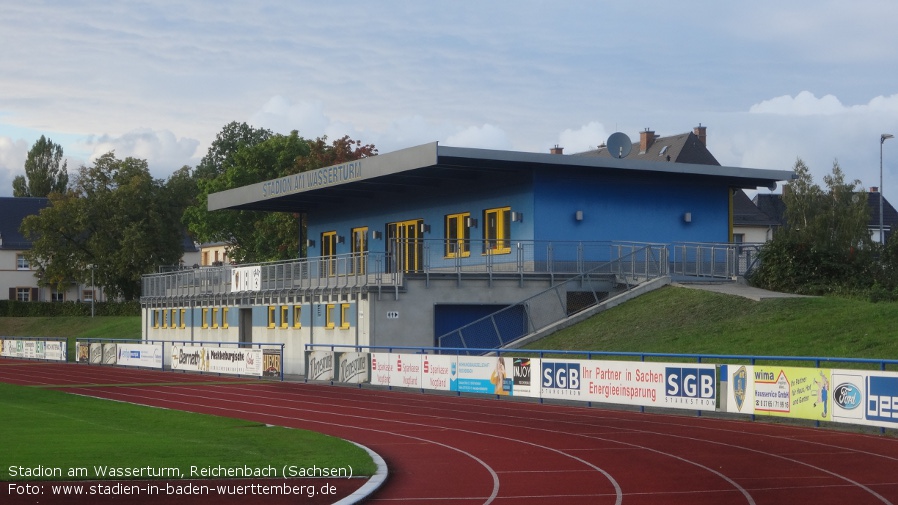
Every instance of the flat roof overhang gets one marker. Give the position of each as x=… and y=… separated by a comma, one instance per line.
x=430, y=166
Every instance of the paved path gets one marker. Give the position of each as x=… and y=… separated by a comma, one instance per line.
x=738, y=289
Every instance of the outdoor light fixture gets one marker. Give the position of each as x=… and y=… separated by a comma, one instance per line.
x=310, y=243
x=517, y=216
x=341, y=239
x=470, y=222
x=376, y=235
x=882, y=140
x=425, y=228
x=687, y=217
x=578, y=215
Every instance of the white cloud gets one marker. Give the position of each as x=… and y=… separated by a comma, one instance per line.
x=486, y=137
x=803, y=104
x=164, y=152
x=587, y=137
x=280, y=115
x=12, y=162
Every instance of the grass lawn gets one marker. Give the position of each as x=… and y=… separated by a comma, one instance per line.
x=52, y=429
x=117, y=327
x=690, y=321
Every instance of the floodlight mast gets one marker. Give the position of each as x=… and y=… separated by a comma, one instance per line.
x=882, y=140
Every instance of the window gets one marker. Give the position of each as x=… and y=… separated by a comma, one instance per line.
x=738, y=238
x=183, y=313
x=285, y=316
x=297, y=316
x=164, y=318
x=344, y=316
x=458, y=235
x=359, y=249
x=57, y=296
x=155, y=319
x=271, y=316
x=205, y=317
x=496, y=232
x=214, y=317
x=87, y=295
x=329, y=316
x=22, y=262
x=329, y=253
x=224, y=317
x=174, y=318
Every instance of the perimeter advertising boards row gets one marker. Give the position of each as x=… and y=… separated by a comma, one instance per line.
x=197, y=358
x=846, y=396
x=52, y=350
x=678, y=386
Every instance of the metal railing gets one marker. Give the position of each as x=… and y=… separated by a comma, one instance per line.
x=437, y=257
x=560, y=301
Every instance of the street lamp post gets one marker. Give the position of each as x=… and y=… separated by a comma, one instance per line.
x=93, y=289
x=882, y=140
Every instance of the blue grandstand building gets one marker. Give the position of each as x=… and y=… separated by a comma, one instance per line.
x=405, y=248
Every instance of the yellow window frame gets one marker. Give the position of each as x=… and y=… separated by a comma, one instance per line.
x=183, y=314
x=224, y=317
x=497, y=231
x=271, y=315
x=329, y=316
x=457, y=235
x=285, y=316
x=174, y=318
x=205, y=317
x=329, y=253
x=344, y=320
x=297, y=316
x=155, y=318
x=214, y=317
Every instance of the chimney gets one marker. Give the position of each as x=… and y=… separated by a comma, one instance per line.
x=874, y=189
x=646, y=139
x=702, y=133
x=557, y=150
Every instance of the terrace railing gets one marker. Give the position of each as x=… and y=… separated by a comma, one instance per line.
x=435, y=257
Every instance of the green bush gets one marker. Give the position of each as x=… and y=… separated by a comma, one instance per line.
x=14, y=308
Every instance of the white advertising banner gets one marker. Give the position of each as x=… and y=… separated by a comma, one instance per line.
x=142, y=355
x=381, y=366
x=246, y=279
x=439, y=372
x=56, y=350
x=229, y=360
x=352, y=367
x=320, y=365
x=406, y=370
x=677, y=386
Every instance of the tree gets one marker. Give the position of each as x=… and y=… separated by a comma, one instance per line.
x=263, y=236
x=117, y=218
x=229, y=140
x=45, y=171
x=825, y=244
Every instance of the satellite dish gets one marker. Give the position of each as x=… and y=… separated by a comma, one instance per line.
x=772, y=186
x=619, y=145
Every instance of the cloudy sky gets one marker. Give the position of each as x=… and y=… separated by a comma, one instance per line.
x=773, y=81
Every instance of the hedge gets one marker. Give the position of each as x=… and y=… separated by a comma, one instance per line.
x=15, y=308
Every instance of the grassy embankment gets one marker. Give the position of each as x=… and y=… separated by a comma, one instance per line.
x=689, y=321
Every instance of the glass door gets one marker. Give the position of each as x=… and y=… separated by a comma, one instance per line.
x=405, y=247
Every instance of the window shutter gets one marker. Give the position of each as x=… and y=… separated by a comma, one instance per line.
x=35, y=292
x=12, y=293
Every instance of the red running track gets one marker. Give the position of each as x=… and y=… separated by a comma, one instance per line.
x=445, y=449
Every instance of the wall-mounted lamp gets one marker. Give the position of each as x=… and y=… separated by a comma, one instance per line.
x=376, y=235
x=517, y=216
x=341, y=239
x=310, y=243
x=578, y=215
x=687, y=217
x=470, y=222
x=425, y=228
